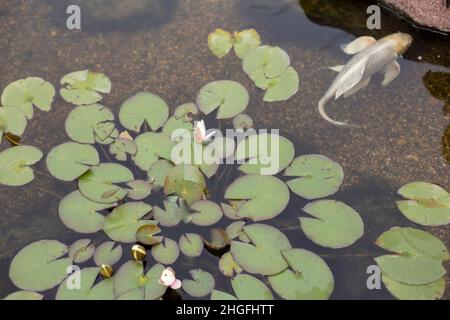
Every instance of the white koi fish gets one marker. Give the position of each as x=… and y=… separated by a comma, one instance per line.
x=371, y=57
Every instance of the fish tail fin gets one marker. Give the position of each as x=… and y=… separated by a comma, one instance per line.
x=324, y=115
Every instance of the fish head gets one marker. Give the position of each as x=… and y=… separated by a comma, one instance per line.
x=401, y=42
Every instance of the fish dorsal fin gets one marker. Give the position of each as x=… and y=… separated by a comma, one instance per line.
x=337, y=68
x=358, y=45
x=352, y=77
x=390, y=73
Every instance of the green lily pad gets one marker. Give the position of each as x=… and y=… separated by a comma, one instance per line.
x=25, y=93
x=131, y=276
x=158, y=172
x=100, y=183
x=230, y=212
x=24, y=295
x=220, y=295
x=236, y=230
x=39, y=265
x=140, y=189
x=266, y=196
x=247, y=287
x=220, y=42
x=185, y=111
x=191, y=245
x=206, y=213
x=430, y=291
x=428, y=204
x=14, y=165
x=263, y=256
x=133, y=294
x=12, y=120
x=309, y=277
x=283, y=87
x=106, y=253
x=229, y=96
x=228, y=266
x=81, y=214
x=166, y=252
x=81, y=250
x=245, y=41
x=272, y=61
x=242, y=121
x=202, y=284
x=267, y=154
x=318, y=176
x=84, y=87
x=335, y=225
x=219, y=239
x=418, y=258
x=120, y=148
x=143, y=107
x=185, y=181
x=173, y=214
x=152, y=146
x=147, y=234
x=107, y=140
x=87, y=291
x=173, y=124
x=87, y=124
x=123, y=222
x=71, y=160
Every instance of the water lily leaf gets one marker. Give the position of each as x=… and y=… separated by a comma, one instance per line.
x=206, y=213
x=229, y=96
x=100, y=183
x=39, y=265
x=309, y=277
x=143, y=107
x=419, y=256
x=273, y=61
x=173, y=124
x=166, y=252
x=191, y=245
x=173, y=214
x=242, y=121
x=268, y=154
x=152, y=146
x=81, y=250
x=87, y=124
x=120, y=148
x=263, y=256
x=335, y=225
x=140, y=189
x=107, y=254
x=283, y=87
x=427, y=204
x=133, y=294
x=113, y=136
x=430, y=291
x=158, y=172
x=185, y=111
x=219, y=295
x=230, y=211
x=266, y=196
x=220, y=42
x=228, y=266
x=245, y=41
x=12, y=120
x=247, y=287
x=219, y=239
x=185, y=181
x=81, y=214
x=25, y=93
x=146, y=234
x=24, y=295
x=83, y=87
x=123, y=222
x=318, y=176
x=14, y=165
x=202, y=284
x=70, y=160
x=131, y=276
x=87, y=291
x=236, y=230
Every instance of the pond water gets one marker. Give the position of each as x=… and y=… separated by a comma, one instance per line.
x=161, y=47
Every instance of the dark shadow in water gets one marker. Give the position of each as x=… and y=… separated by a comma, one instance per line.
x=116, y=15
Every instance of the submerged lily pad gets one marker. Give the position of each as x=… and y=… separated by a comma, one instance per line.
x=100, y=183
x=150, y=147
x=70, y=160
x=247, y=287
x=25, y=93
x=84, y=87
x=39, y=265
x=309, y=277
x=318, y=176
x=123, y=222
x=206, y=213
x=24, y=295
x=428, y=204
x=12, y=120
x=107, y=254
x=266, y=196
x=263, y=256
x=185, y=181
x=81, y=214
x=229, y=96
x=335, y=225
x=142, y=108
x=15, y=165
x=81, y=250
x=430, y=291
x=272, y=61
x=166, y=252
x=242, y=121
x=202, y=284
x=219, y=239
x=191, y=245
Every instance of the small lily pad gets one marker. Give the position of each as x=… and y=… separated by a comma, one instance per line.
x=166, y=252
x=12, y=120
x=191, y=245
x=430, y=291
x=206, y=213
x=236, y=230
x=185, y=111
x=140, y=189
x=81, y=250
x=107, y=254
x=220, y=42
x=245, y=41
x=174, y=124
x=219, y=239
x=283, y=87
x=247, y=287
x=147, y=234
x=84, y=87
x=273, y=61
x=120, y=148
x=228, y=266
x=202, y=284
x=158, y=172
x=220, y=295
x=242, y=121
x=230, y=212
x=14, y=165
x=24, y=295
x=152, y=146
x=172, y=215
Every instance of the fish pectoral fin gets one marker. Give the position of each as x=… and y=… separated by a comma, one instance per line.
x=352, y=77
x=390, y=73
x=356, y=88
x=337, y=68
x=358, y=45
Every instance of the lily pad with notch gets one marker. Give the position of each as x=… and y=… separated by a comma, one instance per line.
x=84, y=87
x=15, y=165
